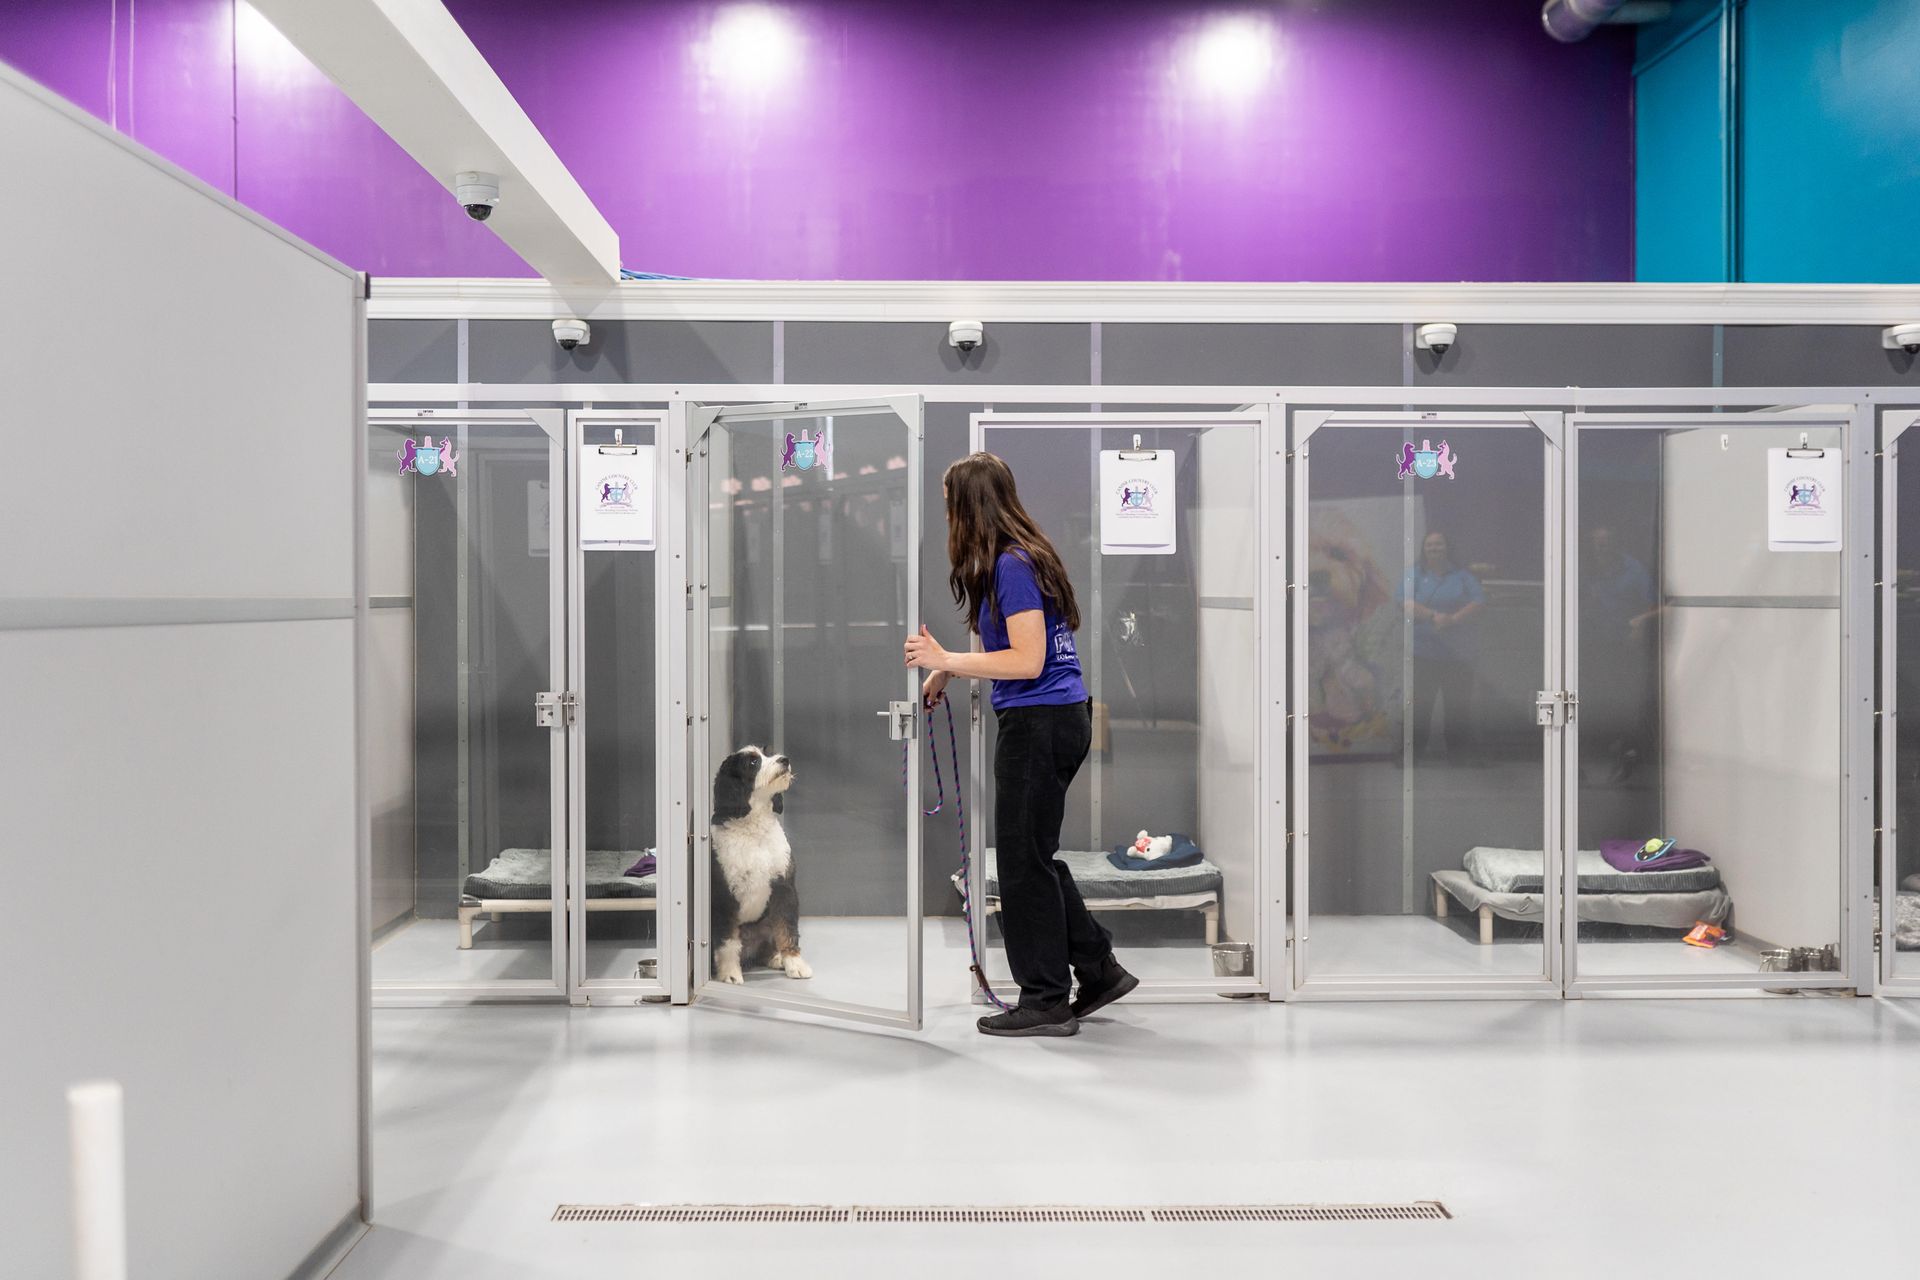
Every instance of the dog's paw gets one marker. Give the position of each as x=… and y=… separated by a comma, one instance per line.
x=730, y=974
x=795, y=967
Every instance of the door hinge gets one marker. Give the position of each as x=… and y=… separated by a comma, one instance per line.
x=555, y=710
x=1554, y=707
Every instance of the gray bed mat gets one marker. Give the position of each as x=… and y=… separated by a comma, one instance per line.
x=1095, y=877
x=1658, y=910
x=528, y=873
x=1523, y=871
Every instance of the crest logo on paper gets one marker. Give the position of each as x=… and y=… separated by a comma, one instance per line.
x=617, y=493
x=427, y=458
x=805, y=452
x=1136, y=499
x=1426, y=462
x=1804, y=494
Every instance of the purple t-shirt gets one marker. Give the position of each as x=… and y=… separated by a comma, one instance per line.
x=1018, y=591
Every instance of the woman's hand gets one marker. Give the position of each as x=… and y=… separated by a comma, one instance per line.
x=933, y=690
x=924, y=651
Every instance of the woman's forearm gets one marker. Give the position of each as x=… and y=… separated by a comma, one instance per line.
x=1001, y=664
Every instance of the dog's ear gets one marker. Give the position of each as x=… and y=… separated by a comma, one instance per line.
x=733, y=787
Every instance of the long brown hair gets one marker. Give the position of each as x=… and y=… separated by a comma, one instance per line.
x=984, y=519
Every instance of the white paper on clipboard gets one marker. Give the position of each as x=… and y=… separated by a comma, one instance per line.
x=1136, y=502
x=1803, y=500
x=617, y=497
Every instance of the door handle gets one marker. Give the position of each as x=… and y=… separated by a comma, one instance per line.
x=903, y=720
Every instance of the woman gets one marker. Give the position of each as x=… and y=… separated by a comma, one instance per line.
x=1440, y=597
x=1013, y=591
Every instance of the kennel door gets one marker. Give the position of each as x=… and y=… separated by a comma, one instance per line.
x=806, y=584
x=1428, y=702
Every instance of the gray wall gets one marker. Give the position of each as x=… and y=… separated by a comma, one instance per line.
x=177, y=736
x=1751, y=734
x=1173, y=355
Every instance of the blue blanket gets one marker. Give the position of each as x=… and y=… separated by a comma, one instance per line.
x=1185, y=853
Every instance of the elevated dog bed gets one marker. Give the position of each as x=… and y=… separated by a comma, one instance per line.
x=1107, y=888
x=1507, y=883
x=521, y=880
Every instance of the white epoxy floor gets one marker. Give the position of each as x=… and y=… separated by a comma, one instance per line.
x=1586, y=1138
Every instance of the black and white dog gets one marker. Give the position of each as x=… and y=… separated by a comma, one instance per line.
x=756, y=910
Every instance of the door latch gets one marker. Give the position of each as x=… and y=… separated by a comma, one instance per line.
x=555, y=710
x=903, y=720
x=1554, y=707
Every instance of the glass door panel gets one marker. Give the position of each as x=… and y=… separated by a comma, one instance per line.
x=623, y=885
x=1709, y=668
x=808, y=574
x=1900, y=733
x=460, y=637
x=1426, y=548
x=1170, y=648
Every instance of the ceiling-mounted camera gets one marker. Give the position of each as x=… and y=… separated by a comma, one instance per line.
x=1435, y=337
x=571, y=333
x=477, y=193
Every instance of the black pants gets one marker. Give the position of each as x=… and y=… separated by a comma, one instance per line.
x=1449, y=682
x=1046, y=925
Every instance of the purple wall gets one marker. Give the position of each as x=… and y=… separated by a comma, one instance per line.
x=869, y=139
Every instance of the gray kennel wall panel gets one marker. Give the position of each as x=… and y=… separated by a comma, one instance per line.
x=1570, y=355
x=912, y=354
x=622, y=351
x=413, y=350
x=1366, y=355
x=1804, y=355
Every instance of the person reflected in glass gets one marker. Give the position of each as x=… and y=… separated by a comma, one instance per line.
x=1014, y=593
x=1617, y=613
x=1440, y=599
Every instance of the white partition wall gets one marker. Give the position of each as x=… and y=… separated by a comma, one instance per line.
x=177, y=736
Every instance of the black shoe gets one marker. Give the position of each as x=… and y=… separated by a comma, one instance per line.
x=1024, y=1020
x=1108, y=985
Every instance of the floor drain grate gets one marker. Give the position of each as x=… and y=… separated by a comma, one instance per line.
x=1414, y=1211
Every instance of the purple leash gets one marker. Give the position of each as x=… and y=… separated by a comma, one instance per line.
x=963, y=880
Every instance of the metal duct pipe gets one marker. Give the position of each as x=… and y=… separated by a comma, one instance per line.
x=1569, y=21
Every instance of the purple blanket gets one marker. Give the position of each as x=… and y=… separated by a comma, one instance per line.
x=644, y=867
x=1620, y=856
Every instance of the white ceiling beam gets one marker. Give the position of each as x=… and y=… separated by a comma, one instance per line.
x=1080, y=302
x=410, y=67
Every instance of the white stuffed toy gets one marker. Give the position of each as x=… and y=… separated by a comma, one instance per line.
x=1150, y=848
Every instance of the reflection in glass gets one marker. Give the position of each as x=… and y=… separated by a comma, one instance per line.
x=458, y=645
x=1709, y=717
x=1426, y=643
x=1168, y=648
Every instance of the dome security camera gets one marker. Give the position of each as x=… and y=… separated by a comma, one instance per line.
x=572, y=333
x=1902, y=337
x=477, y=193
x=965, y=335
x=1435, y=337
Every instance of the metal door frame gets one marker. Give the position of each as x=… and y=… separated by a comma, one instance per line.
x=701, y=419
x=1893, y=424
x=550, y=422
x=1270, y=745
x=1854, y=422
x=667, y=642
x=1550, y=424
